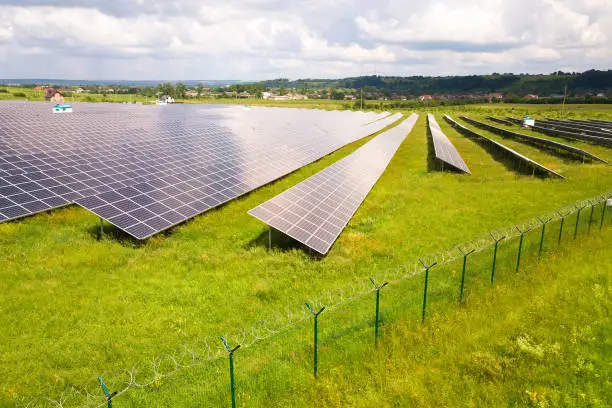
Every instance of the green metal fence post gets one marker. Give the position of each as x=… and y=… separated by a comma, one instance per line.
x=520, y=248
x=107, y=395
x=316, y=336
x=577, y=220
x=603, y=214
x=427, y=268
x=497, y=241
x=591, y=216
x=465, y=255
x=561, y=226
x=378, y=288
x=542, y=236
x=231, y=351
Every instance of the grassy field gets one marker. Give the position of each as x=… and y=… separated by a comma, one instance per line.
x=74, y=307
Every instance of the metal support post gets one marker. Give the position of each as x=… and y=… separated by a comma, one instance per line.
x=497, y=241
x=230, y=352
x=377, y=288
x=107, y=395
x=316, y=336
x=427, y=268
x=520, y=249
x=561, y=226
x=465, y=255
x=577, y=220
x=591, y=216
x=542, y=236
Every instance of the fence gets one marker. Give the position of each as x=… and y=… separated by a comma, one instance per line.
x=289, y=350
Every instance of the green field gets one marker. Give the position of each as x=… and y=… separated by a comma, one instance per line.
x=74, y=307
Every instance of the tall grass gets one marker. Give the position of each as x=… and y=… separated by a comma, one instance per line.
x=73, y=306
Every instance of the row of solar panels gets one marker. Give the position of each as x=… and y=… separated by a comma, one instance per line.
x=145, y=169
x=444, y=149
x=488, y=142
x=315, y=211
x=537, y=141
x=567, y=131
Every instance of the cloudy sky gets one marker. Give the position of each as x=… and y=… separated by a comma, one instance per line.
x=262, y=39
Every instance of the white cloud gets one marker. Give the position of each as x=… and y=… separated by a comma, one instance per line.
x=254, y=39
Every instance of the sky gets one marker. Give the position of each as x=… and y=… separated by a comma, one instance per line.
x=266, y=39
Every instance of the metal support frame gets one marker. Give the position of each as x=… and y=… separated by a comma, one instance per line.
x=269, y=238
x=107, y=395
x=377, y=321
x=465, y=255
x=520, y=248
x=497, y=241
x=542, y=236
x=316, y=336
x=230, y=352
x=427, y=268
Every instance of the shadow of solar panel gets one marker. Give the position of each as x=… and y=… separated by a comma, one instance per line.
x=315, y=211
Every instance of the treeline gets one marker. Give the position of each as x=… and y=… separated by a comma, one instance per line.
x=592, y=81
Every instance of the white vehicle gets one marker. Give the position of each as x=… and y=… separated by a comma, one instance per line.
x=62, y=108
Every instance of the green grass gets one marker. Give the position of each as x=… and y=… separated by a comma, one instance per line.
x=73, y=307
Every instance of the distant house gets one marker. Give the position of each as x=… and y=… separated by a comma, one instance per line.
x=266, y=95
x=167, y=99
x=532, y=96
x=49, y=93
x=601, y=95
x=495, y=95
x=426, y=98
x=80, y=90
x=57, y=98
x=192, y=94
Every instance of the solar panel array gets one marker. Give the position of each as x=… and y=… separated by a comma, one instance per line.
x=537, y=141
x=556, y=131
x=443, y=147
x=537, y=167
x=146, y=168
x=315, y=211
x=576, y=127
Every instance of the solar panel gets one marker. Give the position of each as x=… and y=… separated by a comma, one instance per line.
x=315, y=211
x=536, y=141
x=444, y=148
x=575, y=127
x=567, y=134
x=537, y=167
x=147, y=168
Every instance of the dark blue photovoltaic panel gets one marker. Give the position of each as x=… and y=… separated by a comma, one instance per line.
x=443, y=147
x=146, y=168
x=315, y=211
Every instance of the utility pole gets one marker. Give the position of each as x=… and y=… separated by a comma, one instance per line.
x=361, y=98
x=564, y=97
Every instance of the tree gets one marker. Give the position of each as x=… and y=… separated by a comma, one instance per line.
x=282, y=90
x=199, y=88
x=179, y=90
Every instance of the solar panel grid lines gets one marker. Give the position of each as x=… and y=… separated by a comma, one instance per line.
x=444, y=148
x=202, y=155
x=593, y=129
x=500, y=147
x=315, y=211
x=556, y=131
x=575, y=152
x=575, y=127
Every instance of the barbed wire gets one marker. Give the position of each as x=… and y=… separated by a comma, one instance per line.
x=208, y=350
